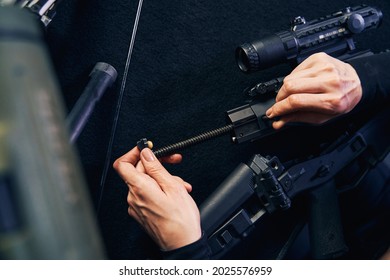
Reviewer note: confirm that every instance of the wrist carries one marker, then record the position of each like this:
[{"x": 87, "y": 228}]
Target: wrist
[
  {"x": 195, "y": 251},
  {"x": 182, "y": 240}
]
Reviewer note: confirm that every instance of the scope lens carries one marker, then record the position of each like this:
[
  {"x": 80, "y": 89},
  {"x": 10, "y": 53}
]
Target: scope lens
[
  {"x": 247, "y": 58},
  {"x": 242, "y": 59}
]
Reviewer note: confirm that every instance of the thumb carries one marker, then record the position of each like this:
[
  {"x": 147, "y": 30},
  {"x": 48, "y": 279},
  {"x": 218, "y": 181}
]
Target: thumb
[{"x": 156, "y": 170}]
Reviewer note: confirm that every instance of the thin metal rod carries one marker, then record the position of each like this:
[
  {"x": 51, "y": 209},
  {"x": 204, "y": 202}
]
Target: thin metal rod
[
  {"x": 119, "y": 104},
  {"x": 173, "y": 148}
]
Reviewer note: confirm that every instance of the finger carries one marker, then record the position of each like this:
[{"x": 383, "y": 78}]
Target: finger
[
  {"x": 301, "y": 85},
  {"x": 156, "y": 170},
  {"x": 314, "y": 61},
  {"x": 132, "y": 176},
  {"x": 140, "y": 167},
  {"x": 173, "y": 159},
  {"x": 188, "y": 187},
  {"x": 184, "y": 183},
  {"x": 317, "y": 103},
  {"x": 301, "y": 117},
  {"x": 313, "y": 67},
  {"x": 131, "y": 157},
  {"x": 123, "y": 169}
]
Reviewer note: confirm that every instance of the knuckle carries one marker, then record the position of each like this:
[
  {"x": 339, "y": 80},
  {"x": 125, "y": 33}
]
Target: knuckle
[
  {"x": 129, "y": 199},
  {"x": 178, "y": 179},
  {"x": 319, "y": 56},
  {"x": 131, "y": 212},
  {"x": 135, "y": 201},
  {"x": 289, "y": 85},
  {"x": 137, "y": 191},
  {"x": 116, "y": 165},
  {"x": 330, "y": 68},
  {"x": 336, "y": 81},
  {"x": 294, "y": 100},
  {"x": 276, "y": 109},
  {"x": 339, "y": 105}
]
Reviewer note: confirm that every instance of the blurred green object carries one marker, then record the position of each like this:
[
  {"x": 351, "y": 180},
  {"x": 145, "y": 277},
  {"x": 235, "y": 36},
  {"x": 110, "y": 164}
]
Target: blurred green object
[{"x": 47, "y": 190}]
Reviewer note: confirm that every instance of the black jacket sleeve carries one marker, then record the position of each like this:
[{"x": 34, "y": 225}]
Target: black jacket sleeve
[
  {"x": 199, "y": 250},
  {"x": 374, "y": 75}
]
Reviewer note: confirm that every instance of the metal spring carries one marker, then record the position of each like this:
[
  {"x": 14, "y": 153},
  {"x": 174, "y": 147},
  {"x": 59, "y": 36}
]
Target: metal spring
[{"x": 171, "y": 149}]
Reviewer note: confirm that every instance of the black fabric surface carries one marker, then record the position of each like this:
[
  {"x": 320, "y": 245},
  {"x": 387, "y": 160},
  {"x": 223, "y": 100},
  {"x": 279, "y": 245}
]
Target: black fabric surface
[{"x": 182, "y": 79}]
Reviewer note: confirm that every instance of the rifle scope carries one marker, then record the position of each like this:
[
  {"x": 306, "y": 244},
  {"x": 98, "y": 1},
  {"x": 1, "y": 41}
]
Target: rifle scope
[{"x": 331, "y": 34}]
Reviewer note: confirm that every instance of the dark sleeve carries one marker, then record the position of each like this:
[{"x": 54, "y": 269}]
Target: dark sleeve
[
  {"x": 199, "y": 250},
  {"x": 374, "y": 75}
]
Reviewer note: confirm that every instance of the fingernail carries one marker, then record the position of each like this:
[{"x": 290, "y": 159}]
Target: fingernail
[
  {"x": 268, "y": 113},
  {"x": 148, "y": 155}
]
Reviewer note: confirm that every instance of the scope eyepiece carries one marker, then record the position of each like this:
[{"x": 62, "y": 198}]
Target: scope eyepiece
[
  {"x": 261, "y": 54},
  {"x": 247, "y": 57}
]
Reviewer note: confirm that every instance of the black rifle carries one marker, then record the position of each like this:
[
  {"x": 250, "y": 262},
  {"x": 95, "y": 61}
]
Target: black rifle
[
  {"x": 332, "y": 34},
  {"x": 265, "y": 186}
]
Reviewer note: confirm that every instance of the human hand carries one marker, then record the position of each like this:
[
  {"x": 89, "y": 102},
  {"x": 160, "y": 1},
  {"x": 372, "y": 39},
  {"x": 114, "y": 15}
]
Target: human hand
[
  {"x": 317, "y": 90},
  {"x": 386, "y": 255},
  {"x": 159, "y": 201}
]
